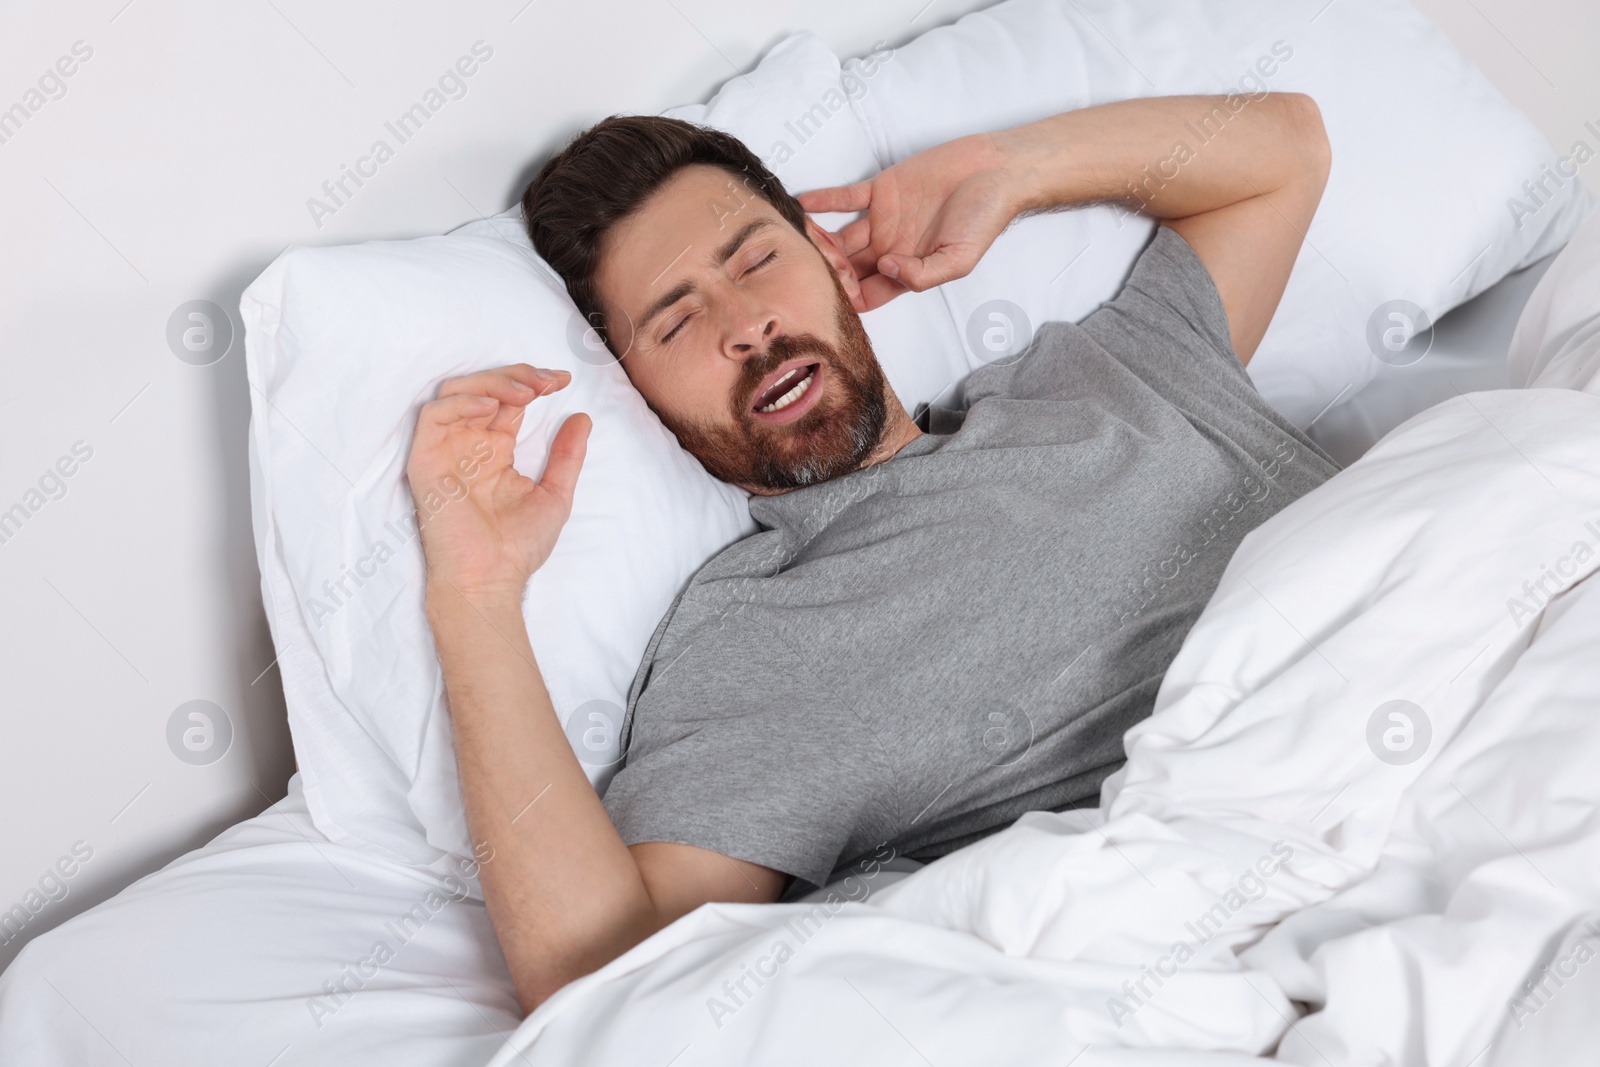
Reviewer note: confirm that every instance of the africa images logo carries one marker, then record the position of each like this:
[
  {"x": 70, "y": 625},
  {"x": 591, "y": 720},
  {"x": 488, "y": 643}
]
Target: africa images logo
[{"x": 1553, "y": 578}]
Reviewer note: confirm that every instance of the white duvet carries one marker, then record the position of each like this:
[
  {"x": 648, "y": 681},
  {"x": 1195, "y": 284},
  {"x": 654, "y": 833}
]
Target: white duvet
[{"x": 1380, "y": 743}]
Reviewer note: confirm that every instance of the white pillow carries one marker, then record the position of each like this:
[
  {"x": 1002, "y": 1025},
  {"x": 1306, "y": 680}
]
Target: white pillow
[
  {"x": 343, "y": 347},
  {"x": 1427, "y": 158}
]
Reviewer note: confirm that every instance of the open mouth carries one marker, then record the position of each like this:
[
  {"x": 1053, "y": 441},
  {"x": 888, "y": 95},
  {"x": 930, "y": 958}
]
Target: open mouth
[{"x": 789, "y": 393}]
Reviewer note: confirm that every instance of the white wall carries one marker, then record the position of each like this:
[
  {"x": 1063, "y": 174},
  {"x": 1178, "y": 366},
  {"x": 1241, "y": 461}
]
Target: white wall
[
  {"x": 1542, "y": 54},
  {"x": 176, "y": 165}
]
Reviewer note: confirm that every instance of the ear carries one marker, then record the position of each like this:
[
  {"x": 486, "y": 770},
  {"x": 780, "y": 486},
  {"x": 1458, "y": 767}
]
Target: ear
[{"x": 835, "y": 258}]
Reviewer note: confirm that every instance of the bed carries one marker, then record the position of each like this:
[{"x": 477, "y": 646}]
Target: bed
[
  {"x": 1353, "y": 879},
  {"x": 277, "y": 946}
]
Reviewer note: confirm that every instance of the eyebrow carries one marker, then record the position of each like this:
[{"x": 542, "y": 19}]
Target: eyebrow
[{"x": 721, "y": 256}]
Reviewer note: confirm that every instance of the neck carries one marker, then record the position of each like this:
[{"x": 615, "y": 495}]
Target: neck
[{"x": 898, "y": 432}]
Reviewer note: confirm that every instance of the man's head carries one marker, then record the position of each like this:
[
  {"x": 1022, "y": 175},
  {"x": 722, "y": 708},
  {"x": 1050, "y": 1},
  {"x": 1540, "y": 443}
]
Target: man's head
[{"x": 734, "y": 315}]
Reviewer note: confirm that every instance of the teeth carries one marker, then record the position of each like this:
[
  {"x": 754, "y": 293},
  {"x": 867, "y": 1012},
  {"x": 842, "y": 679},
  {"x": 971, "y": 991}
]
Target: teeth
[
  {"x": 792, "y": 395},
  {"x": 792, "y": 371}
]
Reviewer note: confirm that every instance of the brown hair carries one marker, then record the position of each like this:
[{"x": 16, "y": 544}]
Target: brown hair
[{"x": 611, "y": 168}]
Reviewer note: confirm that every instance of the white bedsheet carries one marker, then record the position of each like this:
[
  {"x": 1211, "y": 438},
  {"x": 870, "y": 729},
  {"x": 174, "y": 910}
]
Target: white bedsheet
[
  {"x": 236, "y": 953},
  {"x": 1393, "y": 583}
]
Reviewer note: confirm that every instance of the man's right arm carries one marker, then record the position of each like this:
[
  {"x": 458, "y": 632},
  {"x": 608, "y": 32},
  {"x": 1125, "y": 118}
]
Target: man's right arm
[{"x": 564, "y": 893}]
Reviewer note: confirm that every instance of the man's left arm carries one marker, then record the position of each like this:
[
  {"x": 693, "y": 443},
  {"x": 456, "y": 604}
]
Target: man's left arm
[
  {"x": 1242, "y": 199},
  {"x": 1238, "y": 177}
]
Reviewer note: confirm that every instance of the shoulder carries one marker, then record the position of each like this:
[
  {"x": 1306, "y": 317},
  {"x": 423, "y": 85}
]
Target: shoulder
[{"x": 1170, "y": 294}]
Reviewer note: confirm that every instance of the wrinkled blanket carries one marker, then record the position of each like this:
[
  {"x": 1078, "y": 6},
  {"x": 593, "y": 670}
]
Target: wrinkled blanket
[{"x": 1360, "y": 827}]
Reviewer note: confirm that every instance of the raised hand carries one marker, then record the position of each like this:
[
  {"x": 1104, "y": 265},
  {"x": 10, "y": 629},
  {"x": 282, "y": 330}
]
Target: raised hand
[
  {"x": 486, "y": 527},
  {"x": 929, "y": 219}
]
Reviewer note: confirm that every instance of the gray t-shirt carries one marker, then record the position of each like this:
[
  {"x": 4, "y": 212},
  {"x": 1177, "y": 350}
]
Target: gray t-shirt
[{"x": 916, "y": 653}]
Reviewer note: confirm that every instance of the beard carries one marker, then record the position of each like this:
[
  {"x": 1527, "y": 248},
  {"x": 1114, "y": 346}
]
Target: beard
[{"x": 835, "y": 437}]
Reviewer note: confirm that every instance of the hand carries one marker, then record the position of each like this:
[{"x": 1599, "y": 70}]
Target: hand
[
  {"x": 929, "y": 219},
  {"x": 485, "y": 527}
]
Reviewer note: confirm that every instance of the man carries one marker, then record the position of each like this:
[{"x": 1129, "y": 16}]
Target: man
[{"x": 942, "y": 622}]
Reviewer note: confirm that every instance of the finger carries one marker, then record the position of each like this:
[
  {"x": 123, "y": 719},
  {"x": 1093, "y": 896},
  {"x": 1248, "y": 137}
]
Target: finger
[
  {"x": 855, "y": 237},
  {"x": 865, "y": 263},
  {"x": 541, "y": 380},
  {"x": 877, "y": 290},
  {"x": 438, "y": 418},
  {"x": 508, "y": 419},
  {"x": 515, "y": 384},
  {"x": 921, "y": 274},
  {"x": 502, "y": 387},
  {"x": 447, "y": 411},
  {"x": 838, "y": 197},
  {"x": 506, "y": 384},
  {"x": 567, "y": 450}
]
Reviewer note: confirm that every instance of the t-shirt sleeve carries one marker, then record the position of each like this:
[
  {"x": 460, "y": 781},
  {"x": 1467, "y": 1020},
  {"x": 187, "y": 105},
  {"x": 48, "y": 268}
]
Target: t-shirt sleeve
[
  {"x": 1168, "y": 321},
  {"x": 1167, "y": 326},
  {"x": 737, "y": 746},
  {"x": 1170, "y": 285}
]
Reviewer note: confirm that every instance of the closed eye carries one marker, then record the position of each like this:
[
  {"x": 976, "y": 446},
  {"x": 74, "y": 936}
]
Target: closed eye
[{"x": 676, "y": 328}]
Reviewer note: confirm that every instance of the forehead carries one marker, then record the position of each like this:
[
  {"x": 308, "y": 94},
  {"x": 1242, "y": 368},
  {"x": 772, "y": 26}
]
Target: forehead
[{"x": 676, "y": 230}]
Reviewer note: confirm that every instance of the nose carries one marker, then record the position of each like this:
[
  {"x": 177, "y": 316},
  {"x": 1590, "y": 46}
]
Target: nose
[{"x": 752, "y": 326}]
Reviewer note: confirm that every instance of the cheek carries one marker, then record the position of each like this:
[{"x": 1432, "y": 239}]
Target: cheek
[{"x": 686, "y": 390}]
